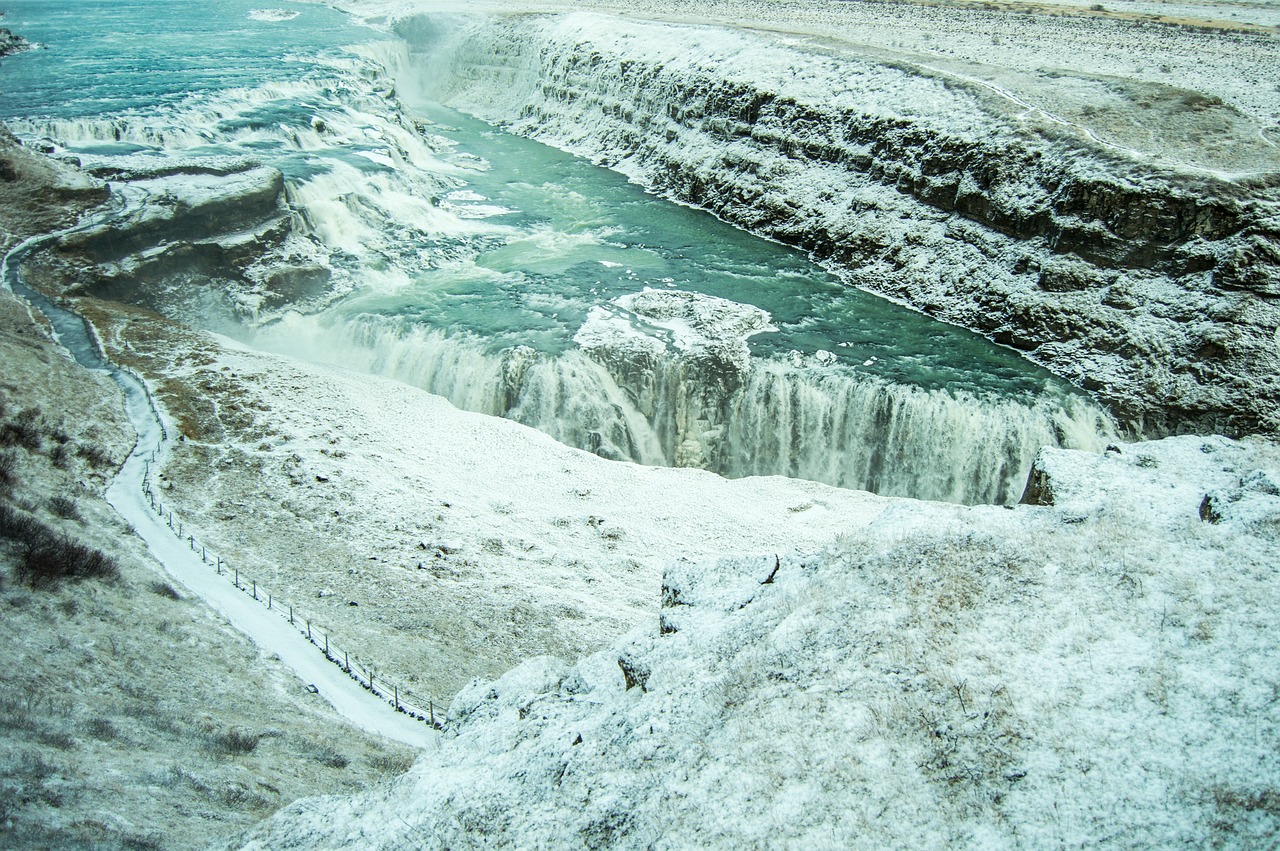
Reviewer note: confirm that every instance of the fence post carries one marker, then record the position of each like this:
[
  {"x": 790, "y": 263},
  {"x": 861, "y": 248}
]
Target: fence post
[
  {"x": 202, "y": 557},
  {"x": 218, "y": 568},
  {"x": 397, "y": 688},
  {"x": 192, "y": 539},
  {"x": 371, "y": 682},
  {"x": 237, "y": 579},
  {"x": 326, "y": 645},
  {"x": 268, "y": 601},
  {"x": 431, "y": 707},
  {"x": 255, "y": 589},
  {"x": 345, "y": 664},
  {"x": 179, "y": 529},
  {"x": 291, "y": 614}
]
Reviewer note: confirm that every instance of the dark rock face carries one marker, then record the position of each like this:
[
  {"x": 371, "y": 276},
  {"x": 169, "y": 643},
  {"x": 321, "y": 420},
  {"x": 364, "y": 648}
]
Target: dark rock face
[
  {"x": 205, "y": 207},
  {"x": 11, "y": 43},
  {"x": 1039, "y": 490},
  {"x": 1151, "y": 287},
  {"x": 207, "y": 238}
]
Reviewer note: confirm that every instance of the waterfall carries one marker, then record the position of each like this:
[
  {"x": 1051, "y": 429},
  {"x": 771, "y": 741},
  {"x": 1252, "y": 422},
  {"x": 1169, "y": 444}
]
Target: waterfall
[{"x": 773, "y": 417}]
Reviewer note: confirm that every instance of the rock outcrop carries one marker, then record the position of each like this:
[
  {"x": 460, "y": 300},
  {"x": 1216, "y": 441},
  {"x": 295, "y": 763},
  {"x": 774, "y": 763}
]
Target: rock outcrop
[
  {"x": 38, "y": 193},
  {"x": 11, "y": 42},
  {"x": 204, "y": 237}
]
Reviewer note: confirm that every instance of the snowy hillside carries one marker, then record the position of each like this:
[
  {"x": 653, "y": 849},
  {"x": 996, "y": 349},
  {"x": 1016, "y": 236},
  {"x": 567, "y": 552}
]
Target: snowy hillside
[{"x": 1102, "y": 671}]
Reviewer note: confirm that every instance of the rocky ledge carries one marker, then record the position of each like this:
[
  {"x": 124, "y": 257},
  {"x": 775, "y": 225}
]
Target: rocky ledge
[{"x": 11, "y": 42}]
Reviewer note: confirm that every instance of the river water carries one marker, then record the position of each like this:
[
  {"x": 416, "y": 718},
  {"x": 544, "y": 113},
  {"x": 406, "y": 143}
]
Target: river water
[{"x": 519, "y": 281}]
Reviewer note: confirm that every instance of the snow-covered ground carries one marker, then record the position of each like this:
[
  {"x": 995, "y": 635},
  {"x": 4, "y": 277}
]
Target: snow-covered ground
[
  {"x": 1015, "y": 39},
  {"x": 1101, "y": 671},
  {"x": 128, "y": 495},
  {"x": 131, "y": 714},
  {"x": 436, "y": 543}
]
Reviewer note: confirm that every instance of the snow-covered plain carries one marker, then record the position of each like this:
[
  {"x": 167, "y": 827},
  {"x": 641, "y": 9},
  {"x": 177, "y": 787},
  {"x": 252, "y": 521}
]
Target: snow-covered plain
[{"x": 1008, "y": 38}]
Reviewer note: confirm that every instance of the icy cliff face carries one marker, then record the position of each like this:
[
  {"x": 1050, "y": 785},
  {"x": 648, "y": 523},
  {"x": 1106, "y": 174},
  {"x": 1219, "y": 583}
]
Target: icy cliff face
[{"x": 1148, "y": 282}]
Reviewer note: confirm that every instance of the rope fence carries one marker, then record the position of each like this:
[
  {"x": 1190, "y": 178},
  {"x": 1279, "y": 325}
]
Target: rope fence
[{"x": 398, "y": 698}]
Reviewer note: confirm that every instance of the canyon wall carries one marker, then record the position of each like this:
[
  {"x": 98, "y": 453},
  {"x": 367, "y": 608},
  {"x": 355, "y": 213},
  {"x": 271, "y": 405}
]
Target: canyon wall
[{"x": 1150, "y": 283}]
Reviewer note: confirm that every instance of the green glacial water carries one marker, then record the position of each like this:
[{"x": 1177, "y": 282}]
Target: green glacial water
[{"x": 519, "y": 281}]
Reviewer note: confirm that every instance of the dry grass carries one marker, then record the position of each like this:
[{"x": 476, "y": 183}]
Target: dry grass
[{"x": 102, "y": 688}]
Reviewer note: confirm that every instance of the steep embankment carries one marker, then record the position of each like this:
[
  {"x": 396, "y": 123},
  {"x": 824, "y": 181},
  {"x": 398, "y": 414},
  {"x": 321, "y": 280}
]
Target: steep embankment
[
  {"x": 130, "y": 715},
  {"x": 1143, "y": 271}
]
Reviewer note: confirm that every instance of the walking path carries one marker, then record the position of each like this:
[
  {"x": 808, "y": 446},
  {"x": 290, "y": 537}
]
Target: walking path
[{"x": 126, "y": 494}]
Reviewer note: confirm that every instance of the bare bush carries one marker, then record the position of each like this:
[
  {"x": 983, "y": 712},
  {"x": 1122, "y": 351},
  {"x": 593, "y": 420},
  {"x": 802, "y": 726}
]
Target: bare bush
[
  {"x": 18, "y": 525},
  {"x": 326, "y": 755},
  {"x": 8, "y": 469},
  {"x": 60, "y": 455},
  {"x": 232, "y": 742},
  {"x": 64, "y": 507},
  {"x": 164, "y": 589},
  {"x": 46, "y": 558},
  {"x": 57, "y": 739},
  {"x": 390, "y": 763},
  {"x": 23, "y": 430},
  {"x": 48, "y": 562},
  {"x": 101, "y": 729},
  {"x": 97, "y": 457}
]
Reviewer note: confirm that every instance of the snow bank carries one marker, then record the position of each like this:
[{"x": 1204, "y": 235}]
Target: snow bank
[{"x": 1101, "y": 671}]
